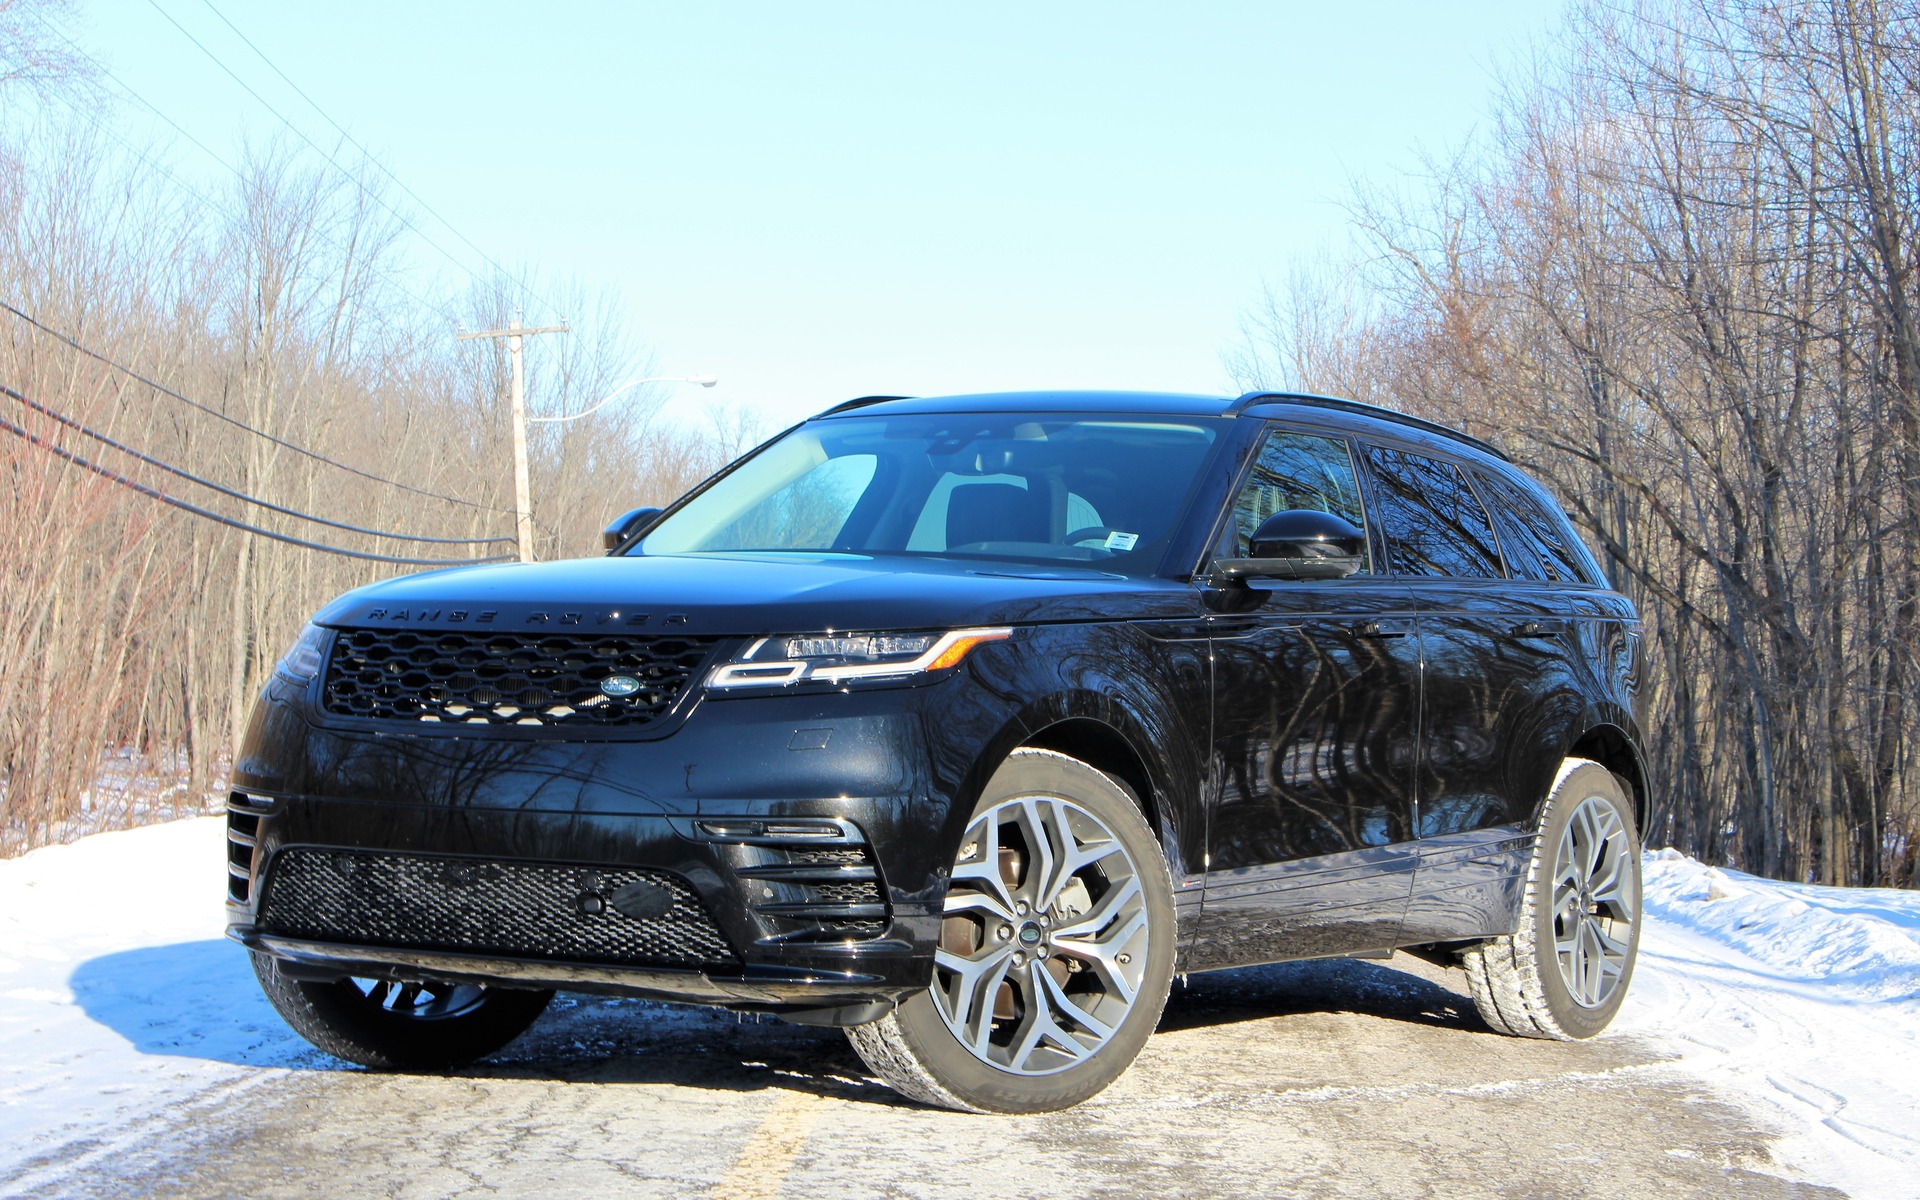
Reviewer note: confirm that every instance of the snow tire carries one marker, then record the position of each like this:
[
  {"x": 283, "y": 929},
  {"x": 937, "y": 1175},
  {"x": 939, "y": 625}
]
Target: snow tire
[{"x": 1518, "y": 981}]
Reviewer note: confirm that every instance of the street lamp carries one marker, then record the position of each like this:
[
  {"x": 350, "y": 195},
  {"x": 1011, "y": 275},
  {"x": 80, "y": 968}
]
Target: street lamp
[{"x": 702, "y": 380}]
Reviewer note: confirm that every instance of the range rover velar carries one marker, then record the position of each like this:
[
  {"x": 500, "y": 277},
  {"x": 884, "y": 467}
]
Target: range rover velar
[{"x": 965, "y": 723}]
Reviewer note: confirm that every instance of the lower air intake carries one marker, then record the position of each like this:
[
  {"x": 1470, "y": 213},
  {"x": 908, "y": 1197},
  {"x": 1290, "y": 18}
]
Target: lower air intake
[{"x": 481, "y": 906}]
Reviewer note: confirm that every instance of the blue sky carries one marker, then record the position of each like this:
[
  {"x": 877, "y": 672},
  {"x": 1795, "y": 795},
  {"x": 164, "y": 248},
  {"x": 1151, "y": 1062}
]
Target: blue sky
[{"x": 825, "y": 200}]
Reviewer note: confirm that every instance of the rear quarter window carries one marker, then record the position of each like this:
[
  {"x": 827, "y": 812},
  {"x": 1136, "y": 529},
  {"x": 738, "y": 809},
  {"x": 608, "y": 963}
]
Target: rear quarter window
[{"x": 1535, "y": 533}]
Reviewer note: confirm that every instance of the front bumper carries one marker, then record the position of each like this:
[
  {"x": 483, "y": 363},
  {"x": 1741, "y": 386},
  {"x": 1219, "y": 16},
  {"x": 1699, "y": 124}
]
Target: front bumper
[
  {"x": 843, "y": 998},
  {"x": 813, "y": 833}
]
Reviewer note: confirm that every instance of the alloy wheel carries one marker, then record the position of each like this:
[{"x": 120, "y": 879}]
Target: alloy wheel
[
  {"x": 1043, "y": 946},
  {"x": 1595, "y": 902},
  {"x": 420, "y": 1001}
]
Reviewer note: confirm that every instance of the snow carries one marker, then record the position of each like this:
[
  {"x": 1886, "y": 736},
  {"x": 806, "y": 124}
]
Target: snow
[
  {"x": 121, "y": 1000},
  {"x": 119, "y": 993},
  {"x": 1803, "y": 1000}
]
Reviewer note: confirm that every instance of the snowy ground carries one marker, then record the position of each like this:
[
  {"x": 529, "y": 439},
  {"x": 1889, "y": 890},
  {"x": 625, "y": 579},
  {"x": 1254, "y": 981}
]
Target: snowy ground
[
  {"x": 1804, "y": 999},
  {"x": 121, "y": 1005}
]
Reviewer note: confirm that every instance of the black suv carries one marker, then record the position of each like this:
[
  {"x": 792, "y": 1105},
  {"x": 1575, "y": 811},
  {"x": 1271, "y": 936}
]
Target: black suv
[{"x": 965, "y": 723}]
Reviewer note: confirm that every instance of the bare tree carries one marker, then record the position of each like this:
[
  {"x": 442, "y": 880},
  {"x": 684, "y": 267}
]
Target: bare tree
[
  {"x": 289, "y": 363},
  {"x": 1678, "y": 279}
]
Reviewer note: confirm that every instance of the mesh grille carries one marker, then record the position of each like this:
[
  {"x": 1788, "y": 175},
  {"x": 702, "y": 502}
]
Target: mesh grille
[
  {"x": 532, "y": 910},
  {"x": 509, "y": 678},
  {"x": 841, "y": 856},
  {"x": 846, "y": 893}
]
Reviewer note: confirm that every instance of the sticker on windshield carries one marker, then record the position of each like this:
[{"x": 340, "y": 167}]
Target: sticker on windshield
[{"x": 1121, "y": 542}]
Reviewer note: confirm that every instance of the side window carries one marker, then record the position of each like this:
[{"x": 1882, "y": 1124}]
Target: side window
[
  {"x": 1521, "y": 520},
  {"x": 1434, "y": 523},
  {"x": 1296, "y": 470}
]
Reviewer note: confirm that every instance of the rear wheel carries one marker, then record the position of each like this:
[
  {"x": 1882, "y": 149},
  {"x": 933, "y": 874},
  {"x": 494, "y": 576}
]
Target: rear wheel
[
  {"x": 1564, "y": 973},
  {"x": 1056, "y": 949},
  {"x": 400, "y": 1026}
]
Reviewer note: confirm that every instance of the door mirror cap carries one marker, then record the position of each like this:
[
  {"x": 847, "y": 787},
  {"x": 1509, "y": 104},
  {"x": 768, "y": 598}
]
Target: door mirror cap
[
  {"x": 628, "y": 524},
  {"x": 1300, "y": 543}
]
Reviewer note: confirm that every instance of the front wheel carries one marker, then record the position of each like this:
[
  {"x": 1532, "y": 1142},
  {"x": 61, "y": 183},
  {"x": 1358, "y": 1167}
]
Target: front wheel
[
  {"x": 400, "y": 1026},
  {"x": 1564, "y": 973},
  {"x": 1055, "y": 955}
]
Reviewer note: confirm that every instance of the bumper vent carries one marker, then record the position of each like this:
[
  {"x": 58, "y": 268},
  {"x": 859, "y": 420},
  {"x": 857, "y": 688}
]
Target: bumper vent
[
  {"x": 509, "y": 678},
  {"x": 243, "y": 834},
  {"x": 478, "y": 906},
  {"x": 812, "y": 892}
]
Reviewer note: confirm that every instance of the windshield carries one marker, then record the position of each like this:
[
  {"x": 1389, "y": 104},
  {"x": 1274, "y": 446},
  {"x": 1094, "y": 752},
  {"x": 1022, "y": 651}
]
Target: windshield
[{"x": 1097, "y": 490}]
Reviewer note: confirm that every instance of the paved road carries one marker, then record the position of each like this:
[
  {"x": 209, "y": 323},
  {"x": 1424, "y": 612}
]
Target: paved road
[{"x": 1334, "y": 1079}]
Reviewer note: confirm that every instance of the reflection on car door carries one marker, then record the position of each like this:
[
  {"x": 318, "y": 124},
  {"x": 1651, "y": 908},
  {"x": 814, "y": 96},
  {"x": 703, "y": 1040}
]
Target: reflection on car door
[
  {"x": 1497, "y": 695},
  {"x": 1315, "y": 714}
]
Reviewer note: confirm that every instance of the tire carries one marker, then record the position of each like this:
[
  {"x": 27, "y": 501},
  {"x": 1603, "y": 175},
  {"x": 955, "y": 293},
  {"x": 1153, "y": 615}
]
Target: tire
[
  {"x": 400, "y": 1026},
  {"x": 1565, "y": 972},
  {"x": 1047, "y": 982}
]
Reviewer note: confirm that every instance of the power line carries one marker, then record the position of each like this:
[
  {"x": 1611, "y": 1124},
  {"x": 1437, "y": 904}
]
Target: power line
[
  {"x": 207, "y": 514},
  {"x": 128, "y": 90},
  {"x": 380, "y": 166},
  {"x": 214, "y": 412},
  {"x": 104, "y": 440},
  {"x": 56, "y": 31},
  {"x": 146, "y": 158},
  {"x": 331, "y": 161}
]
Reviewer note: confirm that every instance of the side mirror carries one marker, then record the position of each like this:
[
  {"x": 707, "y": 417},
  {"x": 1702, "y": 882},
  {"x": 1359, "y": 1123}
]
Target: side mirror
[
  {"x": 627, "y": 524},
  {"x": 1299, "y": 544}
]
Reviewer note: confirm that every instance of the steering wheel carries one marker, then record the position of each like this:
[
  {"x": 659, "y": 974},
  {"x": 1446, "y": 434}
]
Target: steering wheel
[{"x": 1091, "y": 533}]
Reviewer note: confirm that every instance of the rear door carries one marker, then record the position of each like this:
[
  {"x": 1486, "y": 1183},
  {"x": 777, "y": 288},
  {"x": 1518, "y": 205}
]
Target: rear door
[{"x": 1497, "y": 692}]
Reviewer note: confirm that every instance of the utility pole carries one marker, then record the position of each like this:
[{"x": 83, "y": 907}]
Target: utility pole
[{"x": 522, "y": 488}]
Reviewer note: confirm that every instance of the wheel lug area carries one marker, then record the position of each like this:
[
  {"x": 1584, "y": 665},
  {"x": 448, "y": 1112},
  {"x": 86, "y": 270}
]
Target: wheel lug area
[
  {"x": 1022, "y": 907},
  {"x": 1004, "y": 933}
]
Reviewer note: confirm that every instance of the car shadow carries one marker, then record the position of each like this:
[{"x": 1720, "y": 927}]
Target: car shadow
[
  {"x": 189, "y": 1000},
  {"x": 200, "y": 1000},
  {"x": 1322, "y": 985}
]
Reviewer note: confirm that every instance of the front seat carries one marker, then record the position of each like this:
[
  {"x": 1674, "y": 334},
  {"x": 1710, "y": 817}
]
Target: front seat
[{"x": 996, "y": 512}]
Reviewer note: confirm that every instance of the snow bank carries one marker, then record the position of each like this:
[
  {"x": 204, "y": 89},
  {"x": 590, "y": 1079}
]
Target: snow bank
[
  {"x": 119, "y": 993},
  {"x": 1805, "y": 1000}
]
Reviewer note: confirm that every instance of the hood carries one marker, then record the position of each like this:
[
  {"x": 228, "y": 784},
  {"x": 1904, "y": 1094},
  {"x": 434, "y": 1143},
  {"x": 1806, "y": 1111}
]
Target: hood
[{"x": 747, "y": 594}]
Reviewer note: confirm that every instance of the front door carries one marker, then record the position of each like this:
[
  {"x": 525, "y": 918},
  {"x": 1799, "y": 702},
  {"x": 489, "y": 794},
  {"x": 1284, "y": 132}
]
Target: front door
[{"x": 1316, "y": 708}]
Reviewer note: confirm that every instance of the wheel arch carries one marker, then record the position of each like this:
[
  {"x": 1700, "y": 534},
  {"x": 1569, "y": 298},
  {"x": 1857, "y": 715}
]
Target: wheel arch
[
  {"x": 1613, "y": 748},
  {"x": 1105, "y": 749},
  {"x": 1105, "y": 735}
]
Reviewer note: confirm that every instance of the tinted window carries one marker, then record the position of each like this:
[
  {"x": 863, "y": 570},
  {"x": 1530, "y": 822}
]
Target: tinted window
[
  {"x": 1522, "y": 521},
  {"x": 1296, "y": 470},
  {"x": 1434, "y": 523}
]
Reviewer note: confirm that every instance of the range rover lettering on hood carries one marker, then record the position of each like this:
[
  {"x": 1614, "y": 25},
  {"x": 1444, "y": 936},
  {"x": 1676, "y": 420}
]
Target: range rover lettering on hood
[
  {"x": 736, "y": 596},
  {"x": 620, "y": 618}
]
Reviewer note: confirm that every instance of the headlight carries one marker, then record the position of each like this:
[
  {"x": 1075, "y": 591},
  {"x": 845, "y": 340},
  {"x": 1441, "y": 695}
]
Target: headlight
[
  {"x": 848, "y": 658},
  {"x": 309, "y": 651}
]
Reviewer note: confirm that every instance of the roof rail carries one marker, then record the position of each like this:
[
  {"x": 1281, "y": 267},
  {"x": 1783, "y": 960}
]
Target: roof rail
[
  {"x": 858, "y": 402},
  {"x": 1309, "y": 400}
]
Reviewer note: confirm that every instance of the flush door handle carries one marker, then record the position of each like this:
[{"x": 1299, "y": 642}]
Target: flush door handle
[
  {"x": 1534, "y": 629},
  {"x": 1378, "y": 629}
]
